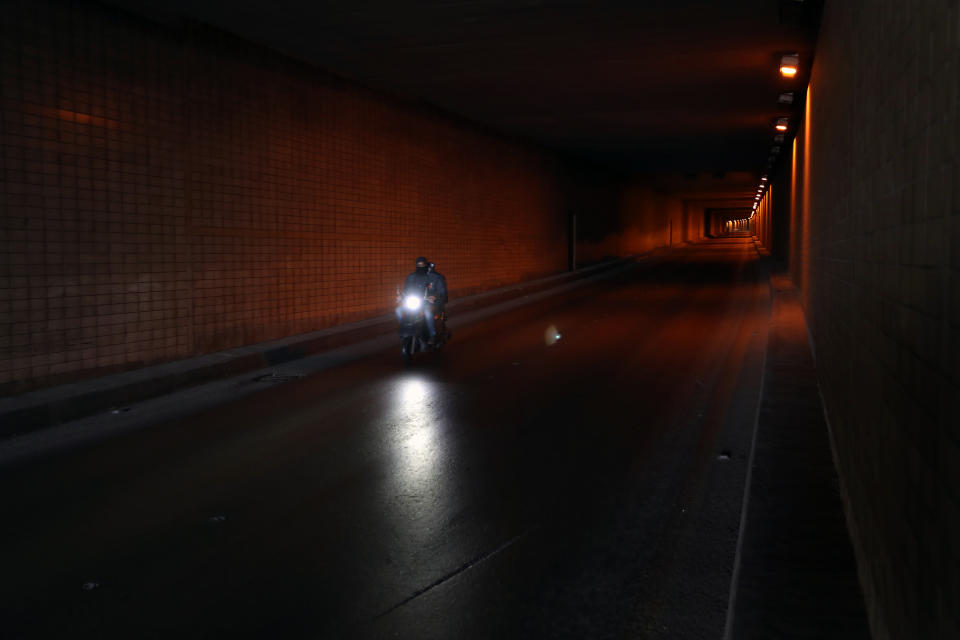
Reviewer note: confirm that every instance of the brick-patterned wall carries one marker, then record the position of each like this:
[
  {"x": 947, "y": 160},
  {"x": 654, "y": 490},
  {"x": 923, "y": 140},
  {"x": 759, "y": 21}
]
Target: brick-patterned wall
[
  {"x": 166, "y": 193},
  {"x": 880, "y": 201}
]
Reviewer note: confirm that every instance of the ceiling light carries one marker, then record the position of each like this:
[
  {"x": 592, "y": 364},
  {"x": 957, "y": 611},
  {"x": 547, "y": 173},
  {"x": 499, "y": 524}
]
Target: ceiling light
[
  {"x": 782, "y": 124},
  {"x": 789, "y": 64},
  {"x": 779, "y": 137},
  {"x": 786, "y": 98},
  {"x": 775, "y": 149},
  {"x": 764, "y": 178}
]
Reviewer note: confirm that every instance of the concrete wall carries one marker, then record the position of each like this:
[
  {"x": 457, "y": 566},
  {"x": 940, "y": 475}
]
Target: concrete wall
[
  {"x": 874, "y": 243},
  {"x": 641, "y": 220},
  {"x": 761, "y": 220}
]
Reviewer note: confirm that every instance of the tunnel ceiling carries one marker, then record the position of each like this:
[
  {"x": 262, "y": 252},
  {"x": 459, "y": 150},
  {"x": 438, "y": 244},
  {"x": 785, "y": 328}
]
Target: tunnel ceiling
[{"x": 651, "y": 86}]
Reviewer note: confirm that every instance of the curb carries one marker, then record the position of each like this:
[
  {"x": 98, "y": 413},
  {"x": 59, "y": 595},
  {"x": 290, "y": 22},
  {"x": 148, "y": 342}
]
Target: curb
[{"x": 51, "y": 406}]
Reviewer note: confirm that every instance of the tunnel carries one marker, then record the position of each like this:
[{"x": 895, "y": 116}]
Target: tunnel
[{"x": 697, "y": 342}]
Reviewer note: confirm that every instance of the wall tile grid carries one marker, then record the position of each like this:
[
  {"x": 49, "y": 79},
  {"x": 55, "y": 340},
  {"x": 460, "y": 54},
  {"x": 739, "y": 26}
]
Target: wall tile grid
[
  {"x": 883, "y": 298},
  {"x": 90, "y": 218},
  {"x": 170, "y": 194}
]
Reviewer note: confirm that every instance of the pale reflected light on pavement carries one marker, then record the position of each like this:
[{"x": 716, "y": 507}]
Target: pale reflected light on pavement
[{"x": 417, "y": 448}]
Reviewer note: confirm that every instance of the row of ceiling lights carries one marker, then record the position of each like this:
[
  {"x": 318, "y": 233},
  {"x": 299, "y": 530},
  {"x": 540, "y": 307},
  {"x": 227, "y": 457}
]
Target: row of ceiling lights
[{"x": 789, "y": 65}]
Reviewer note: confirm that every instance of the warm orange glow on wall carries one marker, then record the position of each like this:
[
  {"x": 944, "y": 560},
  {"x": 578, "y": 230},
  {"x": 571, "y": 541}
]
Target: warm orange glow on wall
[
  {"x": 85, "y": 118},
  {"x": 806, "y": 178}
]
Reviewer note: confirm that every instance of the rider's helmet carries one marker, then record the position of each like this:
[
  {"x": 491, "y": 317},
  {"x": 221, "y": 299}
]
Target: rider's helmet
[{"x": 422, "y": 265}]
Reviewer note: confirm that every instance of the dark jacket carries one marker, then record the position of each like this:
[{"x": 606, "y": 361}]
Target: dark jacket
[
  {"x": 417, "y": 283},
  {"x": 441, "y": 287}
]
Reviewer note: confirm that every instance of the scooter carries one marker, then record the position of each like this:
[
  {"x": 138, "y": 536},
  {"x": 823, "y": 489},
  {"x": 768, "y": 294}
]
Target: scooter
[{"x": 414, "y": 336}]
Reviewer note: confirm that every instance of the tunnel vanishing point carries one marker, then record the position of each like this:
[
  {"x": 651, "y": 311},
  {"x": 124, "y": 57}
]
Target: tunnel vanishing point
[{"x": 184, "y": 179}]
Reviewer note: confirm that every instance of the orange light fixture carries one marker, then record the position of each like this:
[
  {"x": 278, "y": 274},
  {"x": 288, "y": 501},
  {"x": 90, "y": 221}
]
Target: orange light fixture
[
  {"x": 789, "y": 65},
  {"x": 782, "y": 124}
]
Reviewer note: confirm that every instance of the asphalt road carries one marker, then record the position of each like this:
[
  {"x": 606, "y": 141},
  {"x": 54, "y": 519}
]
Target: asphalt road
[{"x": 513, "y": 486}]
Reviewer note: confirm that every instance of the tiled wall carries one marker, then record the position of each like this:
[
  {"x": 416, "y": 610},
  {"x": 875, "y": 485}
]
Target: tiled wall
[
  {"x": 876, "y": 249},
  {"x": 166, "y": 193}
]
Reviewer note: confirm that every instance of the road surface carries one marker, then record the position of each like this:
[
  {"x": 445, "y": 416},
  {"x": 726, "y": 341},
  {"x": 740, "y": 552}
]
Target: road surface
[{"x": 516, "y": 485}]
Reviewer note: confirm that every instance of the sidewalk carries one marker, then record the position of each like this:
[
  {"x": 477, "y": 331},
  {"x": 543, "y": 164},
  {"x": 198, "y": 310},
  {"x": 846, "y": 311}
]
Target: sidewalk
[
  {"x": 796, "y": 576},
  {"x": 43, "y": 408}
]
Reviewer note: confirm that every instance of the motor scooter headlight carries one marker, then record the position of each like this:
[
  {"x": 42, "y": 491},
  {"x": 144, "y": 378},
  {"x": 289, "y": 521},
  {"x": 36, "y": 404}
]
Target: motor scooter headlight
[{"x": 412, "y": 303}]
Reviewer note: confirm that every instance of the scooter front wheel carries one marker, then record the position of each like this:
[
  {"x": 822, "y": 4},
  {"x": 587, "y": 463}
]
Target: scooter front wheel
[{"x": 406, "y": 350}]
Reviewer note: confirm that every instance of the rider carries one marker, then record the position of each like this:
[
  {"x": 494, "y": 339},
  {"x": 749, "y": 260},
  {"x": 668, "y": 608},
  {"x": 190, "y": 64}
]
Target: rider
[
  {"x": 441, "y": 286},
  {"x": 418, "y": 282},
  {"x": 441, "y": 304}
]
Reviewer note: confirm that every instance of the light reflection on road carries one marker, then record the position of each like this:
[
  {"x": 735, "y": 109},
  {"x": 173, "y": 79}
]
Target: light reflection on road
[{"x": 414, "y": 485}]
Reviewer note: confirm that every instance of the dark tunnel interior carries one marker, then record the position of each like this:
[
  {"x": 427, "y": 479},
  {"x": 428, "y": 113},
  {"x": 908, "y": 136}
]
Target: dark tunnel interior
[{"x": 676, "y": 235}]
